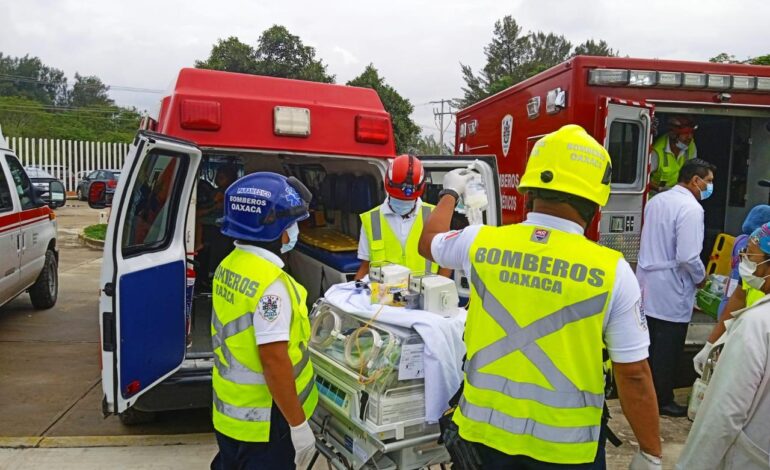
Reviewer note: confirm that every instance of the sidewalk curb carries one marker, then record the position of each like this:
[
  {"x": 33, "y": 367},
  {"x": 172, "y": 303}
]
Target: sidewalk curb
[
  {"x": 63, "y": 442},
  {"x": 92, "y": 243}
]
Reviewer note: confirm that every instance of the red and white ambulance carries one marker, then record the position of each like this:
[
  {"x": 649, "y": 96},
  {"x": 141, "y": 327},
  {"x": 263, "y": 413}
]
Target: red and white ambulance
[
  {"x": 156, "y": 352},
  {"x": 29, "y": 255},
  {"x": 626, "y": 103}
]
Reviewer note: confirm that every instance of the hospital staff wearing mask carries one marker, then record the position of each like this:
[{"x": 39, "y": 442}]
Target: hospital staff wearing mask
[
  {"x": 738, "y": 294},
  {"x": 263, "y": 382},
  {"x": 732, "y": 427},
  {"x": 390, "y": 231},
  {"x": 670, "y": 270}
]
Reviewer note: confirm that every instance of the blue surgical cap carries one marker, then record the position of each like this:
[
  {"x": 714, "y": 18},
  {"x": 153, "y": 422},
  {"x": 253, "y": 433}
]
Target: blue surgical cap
[{"x": 758, "y": 215}]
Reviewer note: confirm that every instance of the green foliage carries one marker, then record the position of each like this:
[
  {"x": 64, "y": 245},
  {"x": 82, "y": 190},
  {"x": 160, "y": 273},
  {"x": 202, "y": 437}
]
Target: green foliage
[
  {"x": 89, "y": 91},
  {"x": 427, "y": 145},
  {"x": 725, "y": 58},
  {"x": 278, "y": 54},
  {"x": 96, "y": 232},
  {"x": 28, "y": 77},
  {"x": 513, "y": 56},
  {"x": 35, "y": 102},
  {"x": 230, "y": 55},
  {"x": 404, "y": 129}
]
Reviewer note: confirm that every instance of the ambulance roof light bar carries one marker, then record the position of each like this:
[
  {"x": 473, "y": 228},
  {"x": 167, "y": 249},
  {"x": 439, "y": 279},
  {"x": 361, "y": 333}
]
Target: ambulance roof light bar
[{"x": 666, "y": 79}]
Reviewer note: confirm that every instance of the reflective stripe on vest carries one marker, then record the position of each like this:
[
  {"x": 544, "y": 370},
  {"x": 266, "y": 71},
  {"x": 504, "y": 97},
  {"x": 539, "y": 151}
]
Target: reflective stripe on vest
[
  {"x": 559, "y": 434},
  {"x": 523, "y": 340},
  {"x": 252, "y": 415},
  {"x": 376, "y": 220}
]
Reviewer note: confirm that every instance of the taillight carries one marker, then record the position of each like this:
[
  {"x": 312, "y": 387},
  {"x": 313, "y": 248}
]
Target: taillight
[
  {"x": 200, "y": 115},
  {"x": 96, "y": 191},
  {"x": 372, "y": 129},
  {"x": 112, "y": 183}
]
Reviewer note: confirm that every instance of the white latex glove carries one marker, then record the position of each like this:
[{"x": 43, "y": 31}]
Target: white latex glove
[
  {"x": 645, "y": 461},
  {"x": 304, "y": 444},
  {"x": 699, "y": 361},
  {"x": 457, "y": 179}
]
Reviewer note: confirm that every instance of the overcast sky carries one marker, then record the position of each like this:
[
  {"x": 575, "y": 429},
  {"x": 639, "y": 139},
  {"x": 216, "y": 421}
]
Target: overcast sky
[{"x": 417, "y": 45}]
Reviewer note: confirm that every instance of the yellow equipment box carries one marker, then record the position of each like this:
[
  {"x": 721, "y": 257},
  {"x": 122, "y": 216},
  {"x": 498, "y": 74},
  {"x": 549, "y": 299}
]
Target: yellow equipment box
[
  {"x": 328, "y": 238},
  {"x": 720, "y": 261}
]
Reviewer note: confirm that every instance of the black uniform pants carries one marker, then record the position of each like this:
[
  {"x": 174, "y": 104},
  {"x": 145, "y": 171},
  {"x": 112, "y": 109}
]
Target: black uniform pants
[
  {"x": 276, "y": 454},
  {"x": 666, "y": 347}
]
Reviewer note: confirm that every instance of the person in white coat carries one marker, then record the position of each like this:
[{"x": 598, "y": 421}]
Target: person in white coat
[{"x": 732, "y": 427}]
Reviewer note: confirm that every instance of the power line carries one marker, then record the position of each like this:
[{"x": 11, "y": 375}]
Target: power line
[{"x": 31, "y": 80}]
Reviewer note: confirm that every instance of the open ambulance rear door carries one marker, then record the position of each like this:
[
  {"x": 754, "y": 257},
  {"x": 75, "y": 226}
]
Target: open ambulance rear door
[
  {"x": 626, "y": 135},
  {"x": 142, "y": 298},
  {"x": 486, "y": 165}
]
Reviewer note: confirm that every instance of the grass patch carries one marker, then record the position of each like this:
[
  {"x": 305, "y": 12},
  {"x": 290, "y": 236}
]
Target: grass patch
[{"x": 97, "y": 231}]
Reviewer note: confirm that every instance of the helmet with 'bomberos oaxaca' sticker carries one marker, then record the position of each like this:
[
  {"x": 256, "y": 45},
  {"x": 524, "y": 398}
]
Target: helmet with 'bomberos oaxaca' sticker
[
  {"x": 260, "y": 206},
  {"x": 572, "y": 162}
]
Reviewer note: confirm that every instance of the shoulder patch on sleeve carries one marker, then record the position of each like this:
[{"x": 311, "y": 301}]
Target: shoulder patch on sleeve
[
  {"x": 270, "y": 307},
  {"x": 451, "y": 235},
  {"x": 641, "y": 319}
]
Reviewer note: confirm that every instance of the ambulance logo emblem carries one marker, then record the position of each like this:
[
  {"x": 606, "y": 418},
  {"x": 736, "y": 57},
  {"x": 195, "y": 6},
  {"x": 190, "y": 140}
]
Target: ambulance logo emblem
[
  {"x": 540, "y": 235},
  {"x": 269, "y": 307},
  {"x": 506, "y": 130}
]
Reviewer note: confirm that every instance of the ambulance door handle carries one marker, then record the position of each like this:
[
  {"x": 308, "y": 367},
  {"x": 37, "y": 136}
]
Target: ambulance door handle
[{"x": 18, "y": 242}]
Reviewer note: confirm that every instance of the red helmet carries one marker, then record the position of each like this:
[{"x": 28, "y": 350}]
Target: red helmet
[{"x": 405, "y": 178}]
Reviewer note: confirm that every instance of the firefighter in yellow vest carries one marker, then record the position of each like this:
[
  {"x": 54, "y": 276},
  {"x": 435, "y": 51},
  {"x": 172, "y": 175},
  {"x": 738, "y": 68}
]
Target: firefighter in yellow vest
[
  {"x": 544, "y": 301},
  {"x": 264, "y": 385},
  {"x": 390, "y": 231},
  {"x": 670, "y": 151}
]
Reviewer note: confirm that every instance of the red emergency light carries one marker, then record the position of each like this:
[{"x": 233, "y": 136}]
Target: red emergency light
[
  {"x": 200, "y": 115},
  {"x": 372, "y": 129}
]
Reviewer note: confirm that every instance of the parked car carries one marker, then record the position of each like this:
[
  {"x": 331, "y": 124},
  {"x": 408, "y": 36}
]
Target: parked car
[
  {"x": 29, "y": 254},
  {"x": 41, "y": 181},
  {"x": 109, "y": 177}
]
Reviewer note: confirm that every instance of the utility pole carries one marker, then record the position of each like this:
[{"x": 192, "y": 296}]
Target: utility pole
[{"x": 438, "y": 115}]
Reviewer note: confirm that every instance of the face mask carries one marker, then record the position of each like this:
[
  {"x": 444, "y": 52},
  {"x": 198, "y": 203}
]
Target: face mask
[
  {"x": 681, "y": 145},
  {"x": 293, "y": 232},
  {"x": 747, "y": 268},
  {"x": 707, "y": 193},
  {"x": 401, "y": 207}
]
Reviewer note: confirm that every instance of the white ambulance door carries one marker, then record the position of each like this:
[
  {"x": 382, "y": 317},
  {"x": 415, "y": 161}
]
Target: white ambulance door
[
  {"x": 10, "y": 243},
  {"x": 142, "y": 301},
  {"x": 486, "y": 165},
  {"x": 627, "y": 139}
]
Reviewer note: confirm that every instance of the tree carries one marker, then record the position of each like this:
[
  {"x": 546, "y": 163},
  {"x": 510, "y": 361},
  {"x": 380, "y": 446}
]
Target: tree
[
  {"x": 28, "y": 77},
  {"x": 282, "y": 54},
  {"x": 513, "y": 56},
  {"x": 89, "y": 91},
  {"x": 230, "y": 55},
  {"x": 725, "y": 58},
  {"x": 427, "y": 145},
  {"x": 278, "y": 54},
  {"x": 590, "y": 47},
  {"x": 404, "y": 129}
]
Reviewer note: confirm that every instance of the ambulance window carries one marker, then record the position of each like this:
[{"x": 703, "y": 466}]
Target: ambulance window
[
  {"x": 153, "y": 203},
  {"x": 623, "y": 147},
  {"x": 6, "y": 201},
  {"x": 22, "y": 183}
]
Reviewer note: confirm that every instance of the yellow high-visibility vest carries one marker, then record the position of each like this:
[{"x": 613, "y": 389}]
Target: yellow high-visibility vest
[
  {"x": 242, "y": 400},
  {"x": 385, "y": 247},
  {"x": 534, "y": 380},
  {"x": 668, "y": 163}
]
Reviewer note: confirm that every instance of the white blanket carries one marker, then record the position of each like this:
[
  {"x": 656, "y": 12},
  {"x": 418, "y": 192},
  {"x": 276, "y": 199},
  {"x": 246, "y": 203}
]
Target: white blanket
[{"x": 443, "y": 339}]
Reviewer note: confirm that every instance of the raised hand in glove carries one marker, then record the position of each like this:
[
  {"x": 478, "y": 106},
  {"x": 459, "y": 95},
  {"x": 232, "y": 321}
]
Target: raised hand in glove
[
  {"x": 644, "y": 461},
  {"x": 457, "y": 179},
  {"x": 304, "y": 444},
  {"x": 699, "y": 361}
]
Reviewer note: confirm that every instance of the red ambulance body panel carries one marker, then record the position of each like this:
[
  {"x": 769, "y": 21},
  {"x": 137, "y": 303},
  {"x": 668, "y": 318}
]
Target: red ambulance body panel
[{"x": 232, "y": 110}]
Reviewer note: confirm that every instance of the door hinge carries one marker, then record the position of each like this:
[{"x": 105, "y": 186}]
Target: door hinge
[
  {"x": 109, "y": 289},
  {"x": 108, "y": 331}
]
